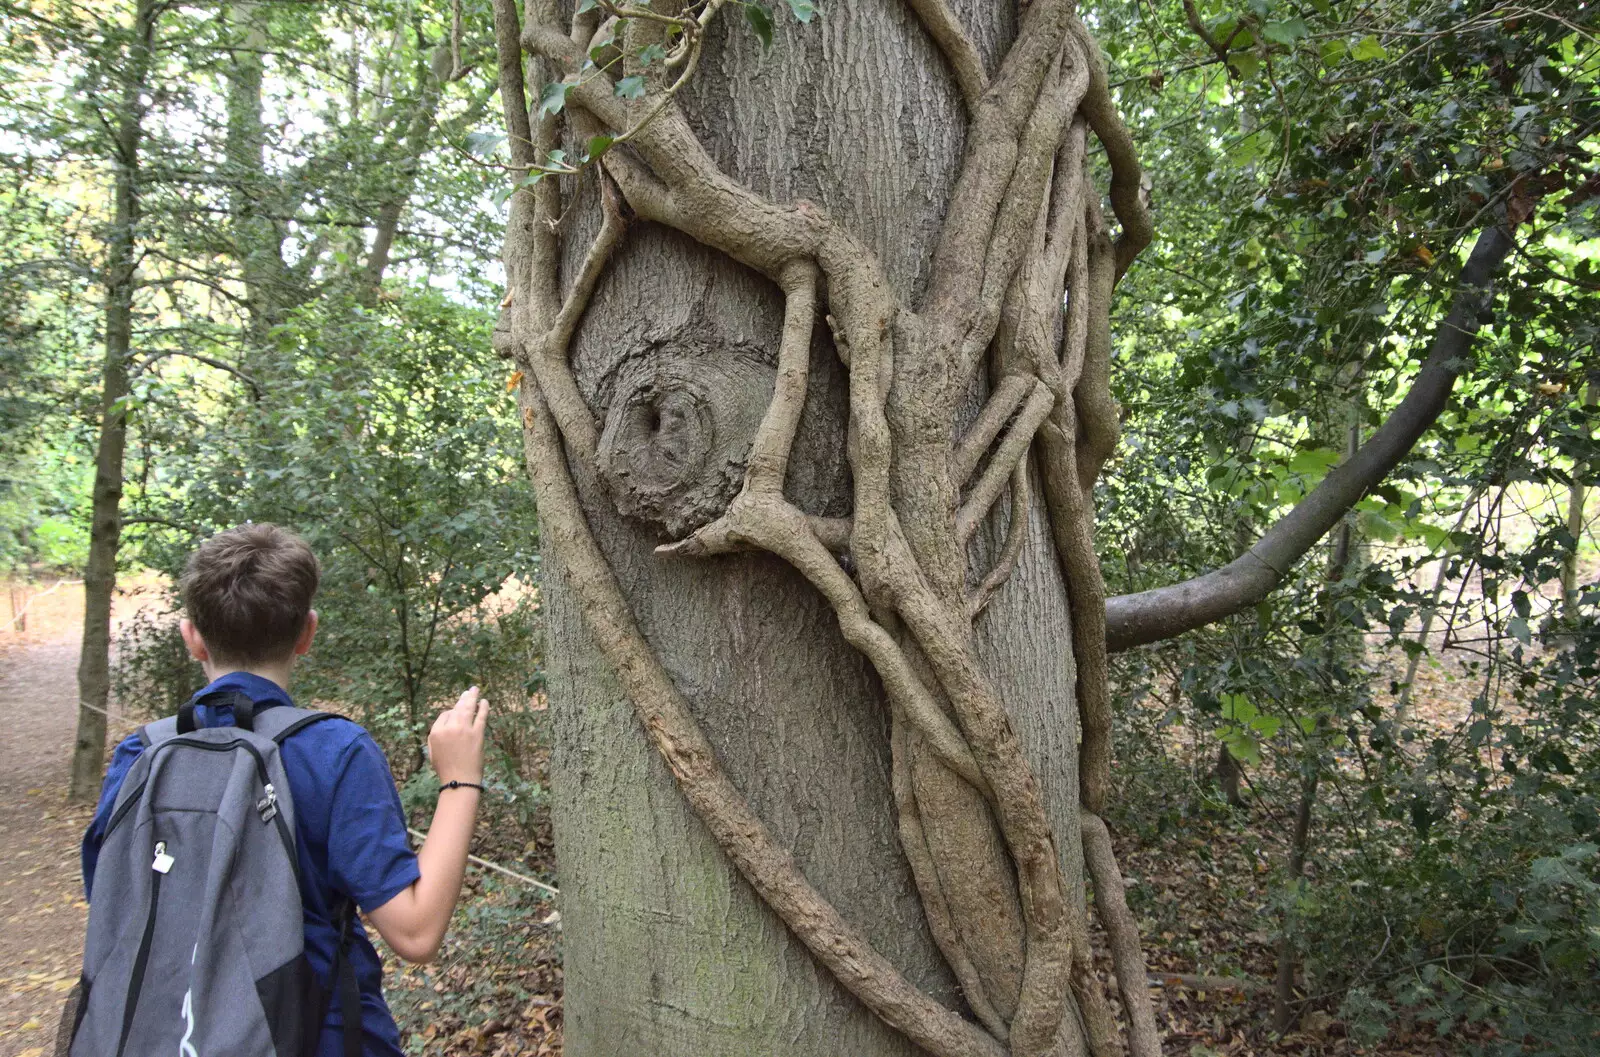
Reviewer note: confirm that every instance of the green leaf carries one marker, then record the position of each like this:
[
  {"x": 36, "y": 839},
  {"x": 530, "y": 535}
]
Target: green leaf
[
  {"x": 631, "y": 87},
  {"x": 1314, "y": 463},
  {"x": 554, "y": 97},
  {"x": 598, "y": 146},
  {"x": 653, "y": 53},
  {"x": 1286, "y": 32},
  {"x": 1238, "y": 708},
  {"x": 1266, "y": 726},
  {"x": 1518, "y": 627},
  {"x": 483, "y": 144},
  {"x": 1367, "y": 49},
  {"x": 761, "y": 22},
  {"x": 1246, "y": 63},
  {"x": 1378, "y": 527},
  {"x": 803, "y": 10},
  {"x": 587, "y": 5},
  {"x": 1241, "y": 745}
]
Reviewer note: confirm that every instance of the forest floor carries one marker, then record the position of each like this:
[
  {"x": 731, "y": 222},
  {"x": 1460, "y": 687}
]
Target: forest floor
[{"x": 496, "y": 989}]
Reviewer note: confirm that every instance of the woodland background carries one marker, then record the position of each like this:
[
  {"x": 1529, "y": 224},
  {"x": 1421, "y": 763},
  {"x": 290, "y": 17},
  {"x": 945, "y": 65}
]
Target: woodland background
[{"x": 1385, "y": 778}]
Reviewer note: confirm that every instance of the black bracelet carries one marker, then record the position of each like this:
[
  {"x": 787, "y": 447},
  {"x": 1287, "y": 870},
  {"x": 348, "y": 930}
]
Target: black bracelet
[{"x": 461, "y": 785}]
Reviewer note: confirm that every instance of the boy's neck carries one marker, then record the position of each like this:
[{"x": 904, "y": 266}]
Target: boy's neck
[{"x": 276, "y": 673}]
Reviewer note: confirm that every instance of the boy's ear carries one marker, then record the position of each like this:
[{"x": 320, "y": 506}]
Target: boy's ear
[
  {"x": 302, "y": 645},
  {"x": 192, "y": 639}
]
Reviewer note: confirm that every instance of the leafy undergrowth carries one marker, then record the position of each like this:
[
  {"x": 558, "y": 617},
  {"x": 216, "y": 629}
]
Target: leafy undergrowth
[
  {"x": 1202, "y": 893},
  {"x": 495, "y": 989}
]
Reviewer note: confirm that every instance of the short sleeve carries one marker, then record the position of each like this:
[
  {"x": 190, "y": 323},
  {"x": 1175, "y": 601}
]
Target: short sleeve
[
  {"x": 369, "y": 854},
  {"x": 122, "y": 758}
]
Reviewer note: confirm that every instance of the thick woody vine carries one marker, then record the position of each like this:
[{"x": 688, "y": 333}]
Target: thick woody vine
[{"x": 1024, "y": 229}]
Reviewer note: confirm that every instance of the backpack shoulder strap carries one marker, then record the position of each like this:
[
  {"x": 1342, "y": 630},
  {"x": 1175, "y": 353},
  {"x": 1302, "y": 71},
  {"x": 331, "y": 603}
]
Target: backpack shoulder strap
[
  {"x": 153, "y": 734},
  {"x": 280, "y": 723}
]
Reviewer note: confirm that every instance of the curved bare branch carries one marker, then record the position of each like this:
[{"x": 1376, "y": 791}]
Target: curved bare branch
[{"x": 1161, "y": 613}]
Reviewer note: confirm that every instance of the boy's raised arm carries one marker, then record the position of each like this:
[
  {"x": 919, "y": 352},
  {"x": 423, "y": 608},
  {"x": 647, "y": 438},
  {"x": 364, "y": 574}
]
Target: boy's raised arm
[{"x": 413, "y": 923}]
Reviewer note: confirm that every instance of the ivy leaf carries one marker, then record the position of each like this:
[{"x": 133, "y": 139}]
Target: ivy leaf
[
  {"x": 653, "y": 53},
  {"x": 631, "y": 87},
  {"x": 598, "y": 47},
  {"x": 587, "y": 5},
  {"x": 598, "y": 146},
  {"x": 804, "y": 10},
  {"x": 554, "y": 98},
  {"x": 761, "y": 22}
]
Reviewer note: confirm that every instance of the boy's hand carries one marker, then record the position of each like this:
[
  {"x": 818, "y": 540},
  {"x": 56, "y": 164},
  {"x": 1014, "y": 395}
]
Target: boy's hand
[{"x": 455, "y": 745}]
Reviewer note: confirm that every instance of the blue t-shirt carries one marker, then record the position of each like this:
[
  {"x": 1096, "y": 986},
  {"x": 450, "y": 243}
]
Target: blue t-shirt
[{"x": 350, "y": 834}]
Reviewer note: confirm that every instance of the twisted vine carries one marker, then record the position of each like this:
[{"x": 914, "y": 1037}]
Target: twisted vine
[{"x": 1024, "y": 227}]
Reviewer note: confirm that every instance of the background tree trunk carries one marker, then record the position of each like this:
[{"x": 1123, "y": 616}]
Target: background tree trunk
[
  {"x": 667, "y": 950},
  {"x": 105, "y": 526}
]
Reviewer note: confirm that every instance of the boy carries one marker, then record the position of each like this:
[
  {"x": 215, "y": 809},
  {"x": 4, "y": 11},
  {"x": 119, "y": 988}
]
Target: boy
[{"x": 247, "y": 593}]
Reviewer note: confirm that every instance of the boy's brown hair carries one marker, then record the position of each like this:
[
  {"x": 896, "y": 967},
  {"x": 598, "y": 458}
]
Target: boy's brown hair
[{"x": 248, "y": 591}]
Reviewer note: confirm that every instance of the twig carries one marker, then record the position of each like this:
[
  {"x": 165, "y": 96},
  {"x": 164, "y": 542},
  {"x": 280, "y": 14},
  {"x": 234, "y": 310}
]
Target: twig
[
  {"x": 1011, "y": 451},
  {"x": 1219, "y": 49},
  {"x": 951, "y": 37},
  {"x": 1005, "y": 399},
  {"x": 1127, "y": 178},
  {"x": 1111, "y": 906},
  {"x": 1021, "y": 499}
]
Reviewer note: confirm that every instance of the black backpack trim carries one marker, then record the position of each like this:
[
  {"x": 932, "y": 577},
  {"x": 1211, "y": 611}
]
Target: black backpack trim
[{"x": 345, "y": 984}]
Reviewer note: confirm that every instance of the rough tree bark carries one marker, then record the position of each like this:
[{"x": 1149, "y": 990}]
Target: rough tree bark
[
  {"x": 782, "y": 357},
  {"x": 105, "y": 525}
]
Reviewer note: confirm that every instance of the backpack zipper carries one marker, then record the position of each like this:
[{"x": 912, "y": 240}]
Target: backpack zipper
[
  {"x": 227, "y": 746},
  {"x": 142, "y": 958}
]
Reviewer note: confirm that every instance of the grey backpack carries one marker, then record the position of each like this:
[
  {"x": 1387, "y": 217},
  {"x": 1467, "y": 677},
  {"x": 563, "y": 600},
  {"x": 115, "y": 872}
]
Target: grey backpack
[{"x": 196, "y": 943}]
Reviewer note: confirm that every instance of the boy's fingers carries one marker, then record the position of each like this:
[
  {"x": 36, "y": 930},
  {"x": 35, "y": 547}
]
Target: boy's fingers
[
  {"x": 481, "y": 718},
  {"x": 469, "y": 700}
]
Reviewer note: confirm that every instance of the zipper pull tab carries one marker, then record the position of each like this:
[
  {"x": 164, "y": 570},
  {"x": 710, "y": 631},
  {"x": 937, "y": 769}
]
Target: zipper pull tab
[
  {"x": 163, "y": 861},
  {"x": 268, "y": 805}
]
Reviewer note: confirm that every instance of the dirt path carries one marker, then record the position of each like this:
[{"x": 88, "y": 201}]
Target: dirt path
[{"x": 42, "y": 912}]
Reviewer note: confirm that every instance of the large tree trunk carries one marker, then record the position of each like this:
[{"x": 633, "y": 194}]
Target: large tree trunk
[
  {"x": 105, "y": 526},
  {"x": 667, "y": 950},
  {"x": 252, "y": 197},
  {"x": 688, "y": 928}
]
